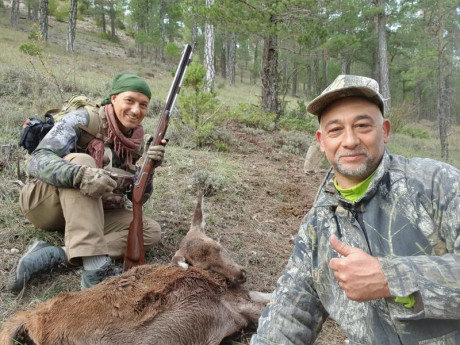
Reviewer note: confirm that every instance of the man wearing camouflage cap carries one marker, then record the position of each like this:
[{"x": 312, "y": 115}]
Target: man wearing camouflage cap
[
  {"x": 379, "y": 249},
  {"x": 77, "y": 177}
]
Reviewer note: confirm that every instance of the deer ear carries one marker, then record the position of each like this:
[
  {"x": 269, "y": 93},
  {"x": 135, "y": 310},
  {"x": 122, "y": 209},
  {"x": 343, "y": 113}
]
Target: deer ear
[{"x": 179, "y": 260}]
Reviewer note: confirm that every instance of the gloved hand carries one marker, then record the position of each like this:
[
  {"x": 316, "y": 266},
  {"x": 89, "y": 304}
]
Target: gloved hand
[
  {"x": 113, "y": 201},
  {"x": 94, "y": 182},
  {"x": 156, "y": 153}
]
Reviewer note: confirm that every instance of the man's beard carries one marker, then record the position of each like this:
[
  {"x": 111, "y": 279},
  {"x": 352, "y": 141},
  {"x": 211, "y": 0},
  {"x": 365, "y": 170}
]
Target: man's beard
[{"x": 364, "y": 170}]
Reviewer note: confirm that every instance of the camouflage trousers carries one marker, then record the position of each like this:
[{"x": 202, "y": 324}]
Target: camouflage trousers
[{"x": 88, "y": 229}]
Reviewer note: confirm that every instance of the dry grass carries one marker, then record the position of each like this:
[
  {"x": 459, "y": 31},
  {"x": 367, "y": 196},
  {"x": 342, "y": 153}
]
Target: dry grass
[
  {"x": 256, "y": 196},
  {"x": 247, "y": 205}
]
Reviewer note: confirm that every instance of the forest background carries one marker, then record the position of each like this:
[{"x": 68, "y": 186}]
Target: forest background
[{"x": 241, "y": 115}]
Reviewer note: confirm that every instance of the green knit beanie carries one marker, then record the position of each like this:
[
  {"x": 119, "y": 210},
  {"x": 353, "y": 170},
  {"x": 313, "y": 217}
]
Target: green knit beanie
[{"x": 128, "y": 82}]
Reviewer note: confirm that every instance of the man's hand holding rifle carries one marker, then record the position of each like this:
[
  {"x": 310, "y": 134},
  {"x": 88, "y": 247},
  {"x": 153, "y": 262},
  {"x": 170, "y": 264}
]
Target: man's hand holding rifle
[{"x": 134, "y": 254}]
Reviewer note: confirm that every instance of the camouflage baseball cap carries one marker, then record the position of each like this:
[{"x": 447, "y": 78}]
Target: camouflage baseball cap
[{"x": 347, "y": 86}]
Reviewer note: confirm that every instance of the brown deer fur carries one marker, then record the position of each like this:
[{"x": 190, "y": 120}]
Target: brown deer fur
[{"x": 152, "y": 304}]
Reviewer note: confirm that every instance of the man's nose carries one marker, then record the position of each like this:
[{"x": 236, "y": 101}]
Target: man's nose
[
  {"x": 136, "y": 109},
  {"x": 350, "y": 139}
]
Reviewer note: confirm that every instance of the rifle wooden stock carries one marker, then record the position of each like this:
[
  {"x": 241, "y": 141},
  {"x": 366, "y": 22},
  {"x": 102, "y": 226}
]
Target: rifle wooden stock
[{"x": 135, "y": 255}]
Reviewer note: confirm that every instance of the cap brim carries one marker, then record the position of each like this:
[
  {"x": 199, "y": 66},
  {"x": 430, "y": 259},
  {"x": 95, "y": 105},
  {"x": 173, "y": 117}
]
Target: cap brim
[{"x": 317, "y": 106}]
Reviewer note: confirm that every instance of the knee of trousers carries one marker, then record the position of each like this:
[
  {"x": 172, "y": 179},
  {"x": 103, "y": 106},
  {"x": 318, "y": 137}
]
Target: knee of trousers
[
  {"x": 81, "y": 159},
  {"x": 152, "y": 233}
]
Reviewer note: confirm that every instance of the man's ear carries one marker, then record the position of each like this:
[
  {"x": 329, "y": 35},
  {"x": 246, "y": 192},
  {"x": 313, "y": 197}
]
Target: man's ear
[
  {"x": 318, "y": 139},
  {"x": 112, "y": 98},
  {"x": 386, "y": 126}
]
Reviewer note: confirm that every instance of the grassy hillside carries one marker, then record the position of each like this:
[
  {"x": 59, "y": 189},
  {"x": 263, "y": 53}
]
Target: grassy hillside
[{"x": 257, "y": 192}]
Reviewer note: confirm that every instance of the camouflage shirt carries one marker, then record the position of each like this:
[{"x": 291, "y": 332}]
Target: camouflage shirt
[
  {"x": 409, "y": 219},
  {"x": 46, "y": 161}
]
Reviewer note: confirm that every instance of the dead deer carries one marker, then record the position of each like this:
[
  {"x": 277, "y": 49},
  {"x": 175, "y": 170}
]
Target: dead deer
[{"x": 198, "y": 299}]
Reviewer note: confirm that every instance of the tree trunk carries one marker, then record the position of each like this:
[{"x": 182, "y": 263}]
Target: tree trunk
[
  {"x": 316, "y": 71},
  {"x": 72, "y": 26},
  {"x": 270, "y": 101},
  {"x": 15, "y": 14},
  {"x": 209, "y": 52},
  {"x": 324, "y": 76},
  {"x": 112, "y": 19},
  {"x": 383, "y": 61},
  {"x": 194, "y": 34},
  {"x": 43, "y": 19},
  {"x": 162, "y": 31},
  {"x": 417, "y": 101},
  {"x": 294, "y": 79},
  {"x": 345, "y": 65},
  {"x": 35, "y": 6},
  {"x": 284, "y": 68},
  {"x": 32, "y": 10},
  {"x": 443, "y": 94},
  {"x": 232, "y": 59},
  {"x": 375, "y": 66},
  {"x": 223, "y": 58},
  {"x": 255, "y": 70},
  {"x": 103, "y": 21},
  {"x": 309, "y": 77}
]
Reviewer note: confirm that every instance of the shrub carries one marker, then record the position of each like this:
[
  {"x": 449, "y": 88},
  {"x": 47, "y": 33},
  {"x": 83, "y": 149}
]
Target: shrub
[
  {"x": 171, "y": 51},
  {"x": 198, "y": 107},
  {"x": 35, "y": 34},
  {"x": 299, "y": 120},
  {"x": 221, "y": 146},
  {"x": 109, "y": 37},
  {"x": 399, "y": 116},
  {"x": 253, "y": 116},
  {"x": 292, "y": 141},
  {"x": 59, "y": 10},
  {"x": 31, "y": 49},
  {"x": 308, "y": 123},
  {"x": 415, "y": 132}
]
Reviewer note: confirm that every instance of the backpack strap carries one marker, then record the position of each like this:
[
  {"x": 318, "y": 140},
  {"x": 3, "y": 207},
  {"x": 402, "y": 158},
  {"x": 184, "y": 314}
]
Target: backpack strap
[{"x": 97, "y": 126}]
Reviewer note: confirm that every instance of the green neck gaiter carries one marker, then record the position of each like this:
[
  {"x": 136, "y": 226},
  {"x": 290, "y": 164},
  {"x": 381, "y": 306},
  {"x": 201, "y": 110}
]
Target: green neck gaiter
[{"x": 357, "y": 191}]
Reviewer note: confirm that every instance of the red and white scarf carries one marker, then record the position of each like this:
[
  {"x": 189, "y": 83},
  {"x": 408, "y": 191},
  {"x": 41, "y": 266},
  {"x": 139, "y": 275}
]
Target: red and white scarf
[{"x": 122, "y": 145}]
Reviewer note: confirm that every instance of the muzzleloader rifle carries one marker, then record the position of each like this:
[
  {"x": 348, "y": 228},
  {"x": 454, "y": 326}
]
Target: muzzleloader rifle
[{"x": 135, "y": 255}]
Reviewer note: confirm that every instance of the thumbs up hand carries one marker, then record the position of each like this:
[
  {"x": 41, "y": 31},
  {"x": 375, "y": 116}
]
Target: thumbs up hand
[{"x": 359, "y": 274}]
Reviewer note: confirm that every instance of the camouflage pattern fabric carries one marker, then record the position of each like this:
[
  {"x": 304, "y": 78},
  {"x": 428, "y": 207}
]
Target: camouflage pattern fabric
[
  {"x": 410, "y": 219},
  {"x": 346, "y": 86},
  {"x": 46, "y": 162}
]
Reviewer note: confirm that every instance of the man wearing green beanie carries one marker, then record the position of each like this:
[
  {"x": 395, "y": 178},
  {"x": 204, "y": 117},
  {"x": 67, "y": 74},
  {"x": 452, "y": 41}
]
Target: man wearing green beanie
[
  {"x": 76, "y": 177},
  {"x": 128, "y": 82}
]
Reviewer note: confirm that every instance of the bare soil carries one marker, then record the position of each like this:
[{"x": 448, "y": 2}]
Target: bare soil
[
  {"x": 258, "y": 227},
  {"x": 280, "y": 196},
  {"x": 258, "y": 224}
]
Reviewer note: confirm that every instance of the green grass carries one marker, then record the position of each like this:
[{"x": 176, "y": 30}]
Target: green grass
[
  {"x": 409, "y": 146},
  {"x": 28, "y": 87}
]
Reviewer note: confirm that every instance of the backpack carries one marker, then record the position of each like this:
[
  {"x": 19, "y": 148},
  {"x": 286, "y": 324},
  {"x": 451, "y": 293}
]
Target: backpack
[{"x": 34, "y": 129}]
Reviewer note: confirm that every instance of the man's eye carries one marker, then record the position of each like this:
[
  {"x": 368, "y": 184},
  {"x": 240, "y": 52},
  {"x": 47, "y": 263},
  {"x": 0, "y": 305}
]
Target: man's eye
[{"x": 363, "y": 125}]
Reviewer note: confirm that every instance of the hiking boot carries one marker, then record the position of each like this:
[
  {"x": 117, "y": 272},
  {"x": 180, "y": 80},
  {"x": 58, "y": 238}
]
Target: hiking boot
[
  {"x": 89, "y": 278},
  {"x": 40, "y": 257}
]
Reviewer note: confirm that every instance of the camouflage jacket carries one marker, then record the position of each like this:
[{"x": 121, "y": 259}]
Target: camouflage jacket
[
  {"x": 68, "y": 135},
  {"x": 410, "y": 220}
]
